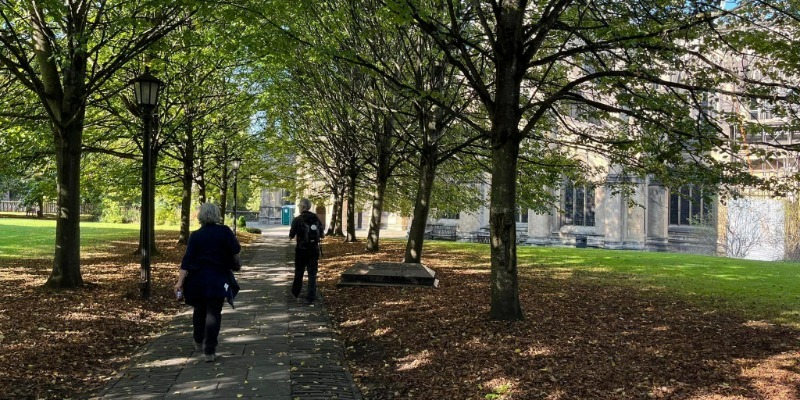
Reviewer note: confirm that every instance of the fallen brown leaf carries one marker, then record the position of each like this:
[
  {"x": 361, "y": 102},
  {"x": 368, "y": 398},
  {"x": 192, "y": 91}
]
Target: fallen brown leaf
[
  {"x": 60, "y": 344},
  {"x": 579, "y": 340}
]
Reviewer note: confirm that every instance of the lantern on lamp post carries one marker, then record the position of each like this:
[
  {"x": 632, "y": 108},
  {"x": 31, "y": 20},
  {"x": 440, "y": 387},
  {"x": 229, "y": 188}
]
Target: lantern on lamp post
[
  {"x": 235, "y": 164},
  {"x": 146, "y": 88}
]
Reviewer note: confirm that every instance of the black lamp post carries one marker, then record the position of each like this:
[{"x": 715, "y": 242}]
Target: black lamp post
[
  {"x": 146, "y": 88},
  {"x": 235, "y": 164}
]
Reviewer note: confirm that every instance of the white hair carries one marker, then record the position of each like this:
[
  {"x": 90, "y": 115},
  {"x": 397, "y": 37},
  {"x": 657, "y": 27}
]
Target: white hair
[
  {"x": 209, "y": 214},
  {"x": 304, "y": 204}
]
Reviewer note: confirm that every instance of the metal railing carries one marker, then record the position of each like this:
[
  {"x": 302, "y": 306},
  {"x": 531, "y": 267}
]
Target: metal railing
[{"x": 49, "y": 207}]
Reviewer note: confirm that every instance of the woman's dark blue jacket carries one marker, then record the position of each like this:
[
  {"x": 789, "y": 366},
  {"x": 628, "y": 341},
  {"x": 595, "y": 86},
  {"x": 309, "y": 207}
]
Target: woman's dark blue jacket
[{"x": 208, "y": 260}]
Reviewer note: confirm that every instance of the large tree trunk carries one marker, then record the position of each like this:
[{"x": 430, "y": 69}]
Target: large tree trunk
[
  {"x": 504, "y": 277},
  {"x": 383, "y": 152},
  {"x": 416, "y": 234},
  {"x": 505, "y": 139},
  {"x": 428, "y": 163},
  {"x": 373, "y": 236},
  {"x": 351, "y": 206},
  {"x": 505, "y": 115},
  {"x": 67, "y": 103},
  {"x": 66, "y": 264}
]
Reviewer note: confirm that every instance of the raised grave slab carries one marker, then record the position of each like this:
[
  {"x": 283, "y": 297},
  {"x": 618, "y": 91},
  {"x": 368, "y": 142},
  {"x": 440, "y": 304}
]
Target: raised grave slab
[{"x": 389, "y": 274}]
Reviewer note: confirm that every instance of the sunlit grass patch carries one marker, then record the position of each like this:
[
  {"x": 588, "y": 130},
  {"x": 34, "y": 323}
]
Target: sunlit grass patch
[{"x": 34, "y": 238}]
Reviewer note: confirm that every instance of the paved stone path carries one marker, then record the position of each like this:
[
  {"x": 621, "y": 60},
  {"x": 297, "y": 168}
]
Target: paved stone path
[{"x": 271, "y": 346}]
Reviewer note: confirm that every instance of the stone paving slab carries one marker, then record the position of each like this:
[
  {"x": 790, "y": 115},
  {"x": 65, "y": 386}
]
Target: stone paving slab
[{"x": 272, "y": 346}]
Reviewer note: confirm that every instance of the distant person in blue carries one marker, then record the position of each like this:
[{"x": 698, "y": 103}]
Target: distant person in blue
[
  {"x": 204, "y": 275},
  {"x": 307, "y": 230}
]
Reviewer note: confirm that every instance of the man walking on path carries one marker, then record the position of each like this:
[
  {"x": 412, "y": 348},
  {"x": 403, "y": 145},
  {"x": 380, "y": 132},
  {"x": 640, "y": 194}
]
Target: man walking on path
[{"x": 307, "y": 229}]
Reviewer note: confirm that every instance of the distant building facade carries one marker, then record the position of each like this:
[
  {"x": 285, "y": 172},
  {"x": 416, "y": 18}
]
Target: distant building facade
[{"x": 652, "y": 217}]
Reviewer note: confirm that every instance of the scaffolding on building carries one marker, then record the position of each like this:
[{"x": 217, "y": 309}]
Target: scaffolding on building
[{"x": 766, "y": 133}]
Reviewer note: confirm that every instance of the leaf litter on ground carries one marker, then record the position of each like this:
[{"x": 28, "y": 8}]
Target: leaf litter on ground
[
  {"x": 60, "y": 344},
  {"x": 579, "y": 339}
]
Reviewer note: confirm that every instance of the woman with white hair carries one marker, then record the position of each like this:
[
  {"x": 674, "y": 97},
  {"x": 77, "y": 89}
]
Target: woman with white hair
[{"x": 208, "y": 262}]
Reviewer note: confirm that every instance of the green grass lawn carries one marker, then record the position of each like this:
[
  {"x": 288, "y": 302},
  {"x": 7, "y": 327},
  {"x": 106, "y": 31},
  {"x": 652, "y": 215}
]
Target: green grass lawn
[
  {"x": 33, "y": 238},
  {"x": 758, "y": 289}
]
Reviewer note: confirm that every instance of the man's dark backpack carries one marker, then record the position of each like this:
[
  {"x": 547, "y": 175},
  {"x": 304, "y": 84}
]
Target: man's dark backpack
[{"x": 310, "y": 232}]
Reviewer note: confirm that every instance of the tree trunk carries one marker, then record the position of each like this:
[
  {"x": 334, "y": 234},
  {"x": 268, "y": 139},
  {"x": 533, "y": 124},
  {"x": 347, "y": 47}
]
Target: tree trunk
[
  {"x": 40, "y": 206},
  {"x": 224, "y": 194},
  {"x": 373, "y": 237},
  {"x": 428, "y": 163},
  {"x": 201, "y": 188},
  {"x": 66, "y": 263},
  {"x": 64, "y": 95},
  {"x": 186, "y": 204},
  {"x": 339, "y": 229},
  {"x": 505, "y": 115},
  {"x": 201, "y": 176},
  {"x": 186, "y": 194},
  {"x": 351, "y": 206},
  {"x": 335, "y": 226},
  {"x": 384, "y": 171},
  {"x": 416, "y": 234},
  {"x": 504, "y": 276}
]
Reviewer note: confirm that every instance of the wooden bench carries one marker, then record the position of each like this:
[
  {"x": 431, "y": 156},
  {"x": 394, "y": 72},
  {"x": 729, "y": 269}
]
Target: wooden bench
[
  {"x": 443, "y": 232},
  {"x": 429, "y": 230}
]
